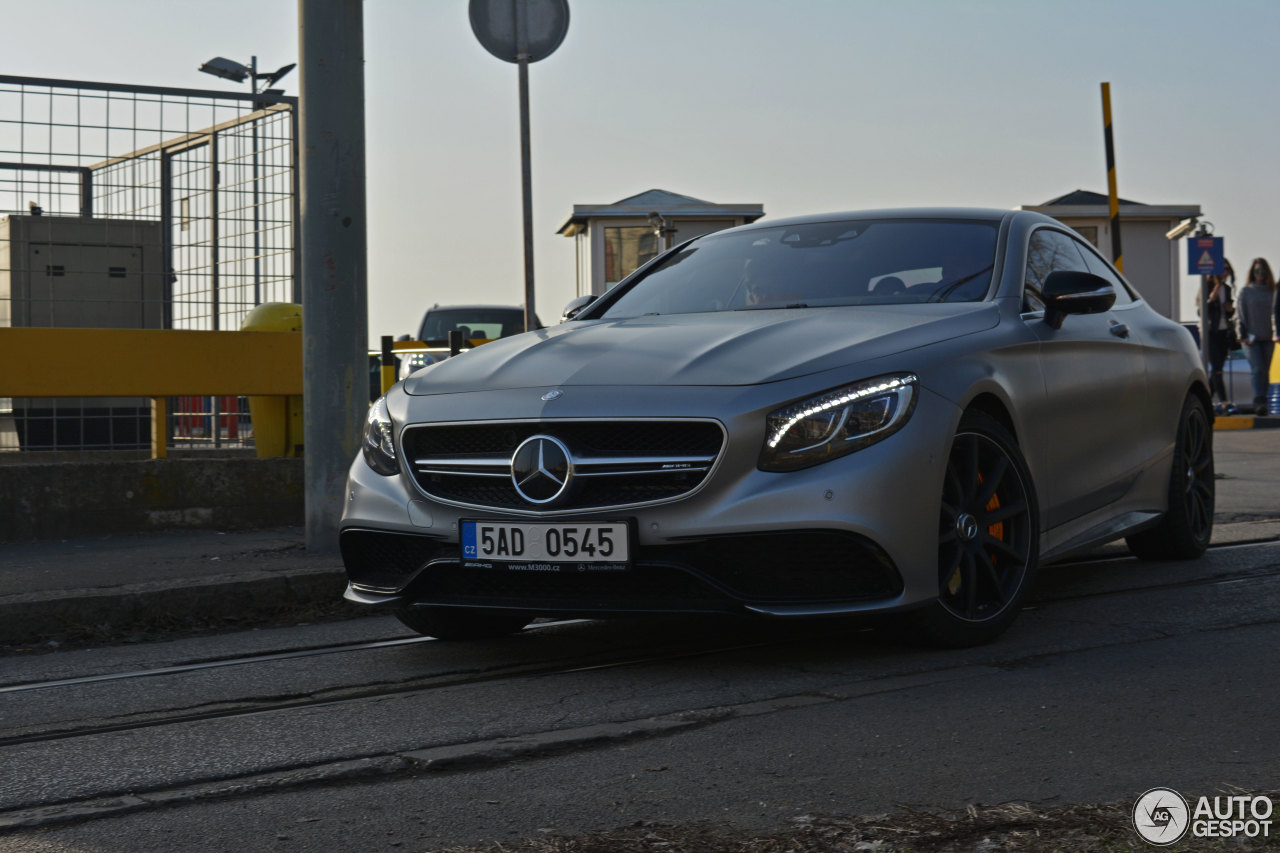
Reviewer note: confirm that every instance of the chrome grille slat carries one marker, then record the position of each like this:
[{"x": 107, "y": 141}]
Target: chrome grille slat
[
  {"x": 617, "y": 463},
  {"x": 639, "y": 460},
  {"x": 699, "y": 470},
  {"x": 449, "y": 461}
]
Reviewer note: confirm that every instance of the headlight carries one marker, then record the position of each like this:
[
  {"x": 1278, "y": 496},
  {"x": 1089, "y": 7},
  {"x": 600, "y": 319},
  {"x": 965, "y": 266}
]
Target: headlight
[
  {"x": 378, "y": 446},
  {"x": 837, "y": 422}
]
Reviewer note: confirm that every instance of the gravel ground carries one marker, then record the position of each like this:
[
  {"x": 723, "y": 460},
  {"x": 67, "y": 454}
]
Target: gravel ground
[{"x": 1008, "y": 828}]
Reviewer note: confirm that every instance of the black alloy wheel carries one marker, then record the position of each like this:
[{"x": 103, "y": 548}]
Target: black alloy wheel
[
  {"x": 988, "y": 537},
  {"x": 1187, "y": 525}
]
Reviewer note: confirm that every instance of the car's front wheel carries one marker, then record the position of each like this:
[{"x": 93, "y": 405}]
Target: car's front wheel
[
  {"x": 462, "y": 623},
  {"x": 1185, "y": 530},
  {"x": 988, "y": 537}
]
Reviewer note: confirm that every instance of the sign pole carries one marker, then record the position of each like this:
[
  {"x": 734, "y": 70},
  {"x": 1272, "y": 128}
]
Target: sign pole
[
  {"x": 1202, "y": 310},
  {"x": 527, "y": 189},
  {"x": 522, "y": 31}
]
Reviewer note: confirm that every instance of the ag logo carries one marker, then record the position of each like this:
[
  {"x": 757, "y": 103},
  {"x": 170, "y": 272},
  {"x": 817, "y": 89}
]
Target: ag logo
[{"x": 1161, "y": 816}]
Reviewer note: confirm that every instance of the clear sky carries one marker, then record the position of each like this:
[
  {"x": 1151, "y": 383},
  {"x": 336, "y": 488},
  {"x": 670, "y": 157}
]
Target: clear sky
[{"x": 803, "y": 106}]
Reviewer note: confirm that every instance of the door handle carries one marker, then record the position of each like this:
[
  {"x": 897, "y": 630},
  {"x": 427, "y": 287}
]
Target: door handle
[{"x": 1120, "y": 330}]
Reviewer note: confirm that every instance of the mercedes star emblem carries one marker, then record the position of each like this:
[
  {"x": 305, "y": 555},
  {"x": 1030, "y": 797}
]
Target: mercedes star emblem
[{"x": 541, "y": 469}]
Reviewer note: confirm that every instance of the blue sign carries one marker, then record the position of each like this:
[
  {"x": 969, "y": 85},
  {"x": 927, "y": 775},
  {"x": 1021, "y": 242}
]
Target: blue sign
[{"x": 1205, "y": 256}]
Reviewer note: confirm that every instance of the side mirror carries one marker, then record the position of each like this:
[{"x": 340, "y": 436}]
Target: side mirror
[
  {"x": 575, "y": 306},
  {"x": 1070, "y": 292}
]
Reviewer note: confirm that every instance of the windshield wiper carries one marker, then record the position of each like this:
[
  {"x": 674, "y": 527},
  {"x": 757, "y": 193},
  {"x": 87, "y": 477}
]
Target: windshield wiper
[
  {"x": 943, "y": 293},
  {"x": 771, "y": 307}
]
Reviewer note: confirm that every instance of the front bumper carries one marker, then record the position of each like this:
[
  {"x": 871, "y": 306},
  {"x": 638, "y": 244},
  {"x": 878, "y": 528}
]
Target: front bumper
[
  {"x": 781, "y": 573},
  {"x": 858, "y": 533}
]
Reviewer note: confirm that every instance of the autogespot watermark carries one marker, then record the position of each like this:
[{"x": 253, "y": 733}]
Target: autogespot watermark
[{"x": 1162, "y": 817}]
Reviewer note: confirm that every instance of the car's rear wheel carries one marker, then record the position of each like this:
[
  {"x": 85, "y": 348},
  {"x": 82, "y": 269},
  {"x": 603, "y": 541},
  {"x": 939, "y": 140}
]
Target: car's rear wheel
[
  {"x": 988, "y": 537},
  {"x": 1185, "y": 530},
  {"x": 462, "y": 623}
]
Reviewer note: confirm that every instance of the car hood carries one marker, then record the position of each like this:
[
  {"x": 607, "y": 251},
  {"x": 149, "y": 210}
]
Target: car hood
[{"x": 727, "y": 348}]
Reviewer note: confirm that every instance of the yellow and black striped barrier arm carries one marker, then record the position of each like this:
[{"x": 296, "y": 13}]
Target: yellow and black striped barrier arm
[
  {"x": 1113, "y": 198},
  {"x": 388, "y": 364},
  {"x": 390, "y": 348}
]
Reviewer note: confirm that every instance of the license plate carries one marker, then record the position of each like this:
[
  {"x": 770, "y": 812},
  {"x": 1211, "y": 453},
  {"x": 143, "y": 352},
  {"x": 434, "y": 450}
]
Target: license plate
[{"x": 547, "y": 547}]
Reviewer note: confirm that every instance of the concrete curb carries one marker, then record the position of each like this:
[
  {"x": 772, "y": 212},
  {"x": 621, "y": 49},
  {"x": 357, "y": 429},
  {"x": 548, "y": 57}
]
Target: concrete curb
[
  {"x": 257, "y": 595},
  {"x": 1246, "y": 422}
]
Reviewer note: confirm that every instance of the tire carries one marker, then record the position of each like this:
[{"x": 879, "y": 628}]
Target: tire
[
  {"x": 462, "y": 623},
  {"x": 988, "y": 538},
  {"x": 1184, "y": 531}
]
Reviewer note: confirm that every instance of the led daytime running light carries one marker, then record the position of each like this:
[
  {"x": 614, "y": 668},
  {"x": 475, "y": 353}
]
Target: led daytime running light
[{"x": 838, "y": 402}]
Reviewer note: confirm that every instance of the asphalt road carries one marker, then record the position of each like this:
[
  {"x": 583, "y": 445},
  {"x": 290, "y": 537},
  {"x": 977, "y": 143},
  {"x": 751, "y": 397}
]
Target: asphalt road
[
  {"x": 1122, "y": 676},
  {"x": 1248, "y": 465}
]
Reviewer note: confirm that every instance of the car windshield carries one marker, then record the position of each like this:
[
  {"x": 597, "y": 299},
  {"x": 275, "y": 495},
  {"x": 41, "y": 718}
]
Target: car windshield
[
  {"x": 487, "y": 323},
  {"x": 819, "y": 264}
]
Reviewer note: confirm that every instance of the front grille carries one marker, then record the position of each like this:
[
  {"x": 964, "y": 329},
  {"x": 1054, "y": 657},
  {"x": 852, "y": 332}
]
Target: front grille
[{"x": 616, "y": 463}]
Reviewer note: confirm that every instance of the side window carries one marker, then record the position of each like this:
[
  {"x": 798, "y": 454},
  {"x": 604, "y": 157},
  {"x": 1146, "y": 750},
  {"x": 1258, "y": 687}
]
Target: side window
[
  {"x": 1047, "y": 252},
  {"x": 1098, "y": 267}
]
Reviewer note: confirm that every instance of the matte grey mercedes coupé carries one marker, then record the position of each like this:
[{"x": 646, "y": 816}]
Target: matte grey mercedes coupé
[{"x": 900, "y": 412}]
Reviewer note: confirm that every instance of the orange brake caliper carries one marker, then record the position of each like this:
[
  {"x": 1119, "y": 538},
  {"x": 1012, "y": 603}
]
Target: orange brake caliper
[{"x": 995, "y": 530}]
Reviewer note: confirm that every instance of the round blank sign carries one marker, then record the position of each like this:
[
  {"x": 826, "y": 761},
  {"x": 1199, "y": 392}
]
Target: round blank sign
[{"x": 510, "y": 28}]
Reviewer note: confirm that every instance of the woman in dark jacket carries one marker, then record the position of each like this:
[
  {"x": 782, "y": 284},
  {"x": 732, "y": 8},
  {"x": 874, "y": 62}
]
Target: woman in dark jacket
[
  {"x": 1219, "y": 312},
  {"x": 1257, "y": 310}
]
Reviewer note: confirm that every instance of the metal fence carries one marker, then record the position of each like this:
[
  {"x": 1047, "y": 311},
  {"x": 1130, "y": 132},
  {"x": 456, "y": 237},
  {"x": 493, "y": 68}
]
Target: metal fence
[{"x": 140, "y": 207}]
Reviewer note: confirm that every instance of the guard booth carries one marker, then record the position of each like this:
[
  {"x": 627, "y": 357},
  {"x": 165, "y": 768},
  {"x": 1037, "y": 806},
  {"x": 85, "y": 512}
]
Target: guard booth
[
  {"x": 611, "y": 241},
  {"x": 1150, "y": 259}
]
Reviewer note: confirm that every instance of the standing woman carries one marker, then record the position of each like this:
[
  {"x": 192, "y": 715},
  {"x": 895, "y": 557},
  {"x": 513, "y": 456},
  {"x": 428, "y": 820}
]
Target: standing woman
[
  {"x": 1219, "y": 313},
  {"x": 1256, "y": 308}
]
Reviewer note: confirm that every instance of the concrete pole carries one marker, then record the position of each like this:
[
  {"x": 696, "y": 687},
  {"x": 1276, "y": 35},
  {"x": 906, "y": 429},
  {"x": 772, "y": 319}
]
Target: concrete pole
[{"x": 334, "y": 296}]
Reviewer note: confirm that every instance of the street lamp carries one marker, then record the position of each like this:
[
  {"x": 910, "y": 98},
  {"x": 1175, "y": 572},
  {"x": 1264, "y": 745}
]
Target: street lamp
[
  {"x": 229, "y": 69},
  {"x": 662, "y": 229}
]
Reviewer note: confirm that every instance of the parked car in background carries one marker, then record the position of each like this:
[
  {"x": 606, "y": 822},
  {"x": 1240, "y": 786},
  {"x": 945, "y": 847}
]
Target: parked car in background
[
  {"x": 475, "y": 322},
  {"x": 485, "y": 322},
  {"x": 892, "y": 412}
]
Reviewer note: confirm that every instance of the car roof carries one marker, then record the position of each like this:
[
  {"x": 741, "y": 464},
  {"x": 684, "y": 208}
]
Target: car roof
[
  {"x": 965, "y": 213},
  {"x": 475, "y": 308}
]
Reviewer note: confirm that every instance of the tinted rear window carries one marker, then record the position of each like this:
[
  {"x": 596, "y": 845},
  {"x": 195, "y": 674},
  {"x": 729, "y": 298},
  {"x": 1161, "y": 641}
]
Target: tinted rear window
[{"x": 486, "y": 323}]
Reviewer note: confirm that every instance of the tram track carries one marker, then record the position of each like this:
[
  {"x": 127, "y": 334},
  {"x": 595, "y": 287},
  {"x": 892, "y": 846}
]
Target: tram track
[
  {"x": 564, "y": 665},
  {"x": 518, "y": 741},
  {"x": 371, "y": 645},
  {"x": 355, "y": 693}
]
